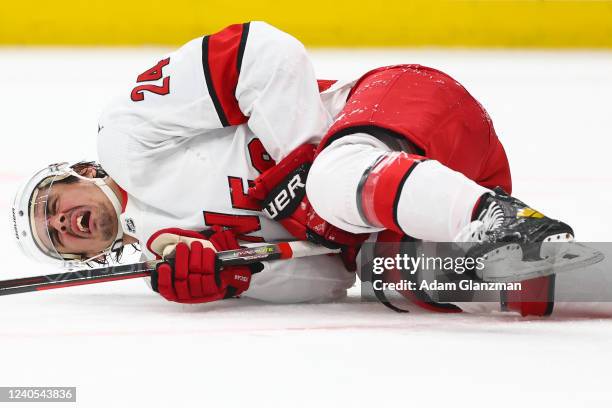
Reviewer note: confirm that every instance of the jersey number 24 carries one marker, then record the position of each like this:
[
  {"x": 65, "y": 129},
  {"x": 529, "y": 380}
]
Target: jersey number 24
[{"x": 152, "y": 74}]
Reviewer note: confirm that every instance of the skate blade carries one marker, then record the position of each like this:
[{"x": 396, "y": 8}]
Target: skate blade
[{"x": 555, "y": 257}]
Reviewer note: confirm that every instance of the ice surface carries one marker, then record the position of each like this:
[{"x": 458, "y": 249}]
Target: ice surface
[{"x": 120, "y": 344}]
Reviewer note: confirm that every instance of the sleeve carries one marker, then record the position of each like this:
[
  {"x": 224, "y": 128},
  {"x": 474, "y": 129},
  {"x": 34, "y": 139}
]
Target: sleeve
[
  {"x": 250, "y": 73},
  {"x": 278, "y": 91},
  {"x": 259, "y": 74}
]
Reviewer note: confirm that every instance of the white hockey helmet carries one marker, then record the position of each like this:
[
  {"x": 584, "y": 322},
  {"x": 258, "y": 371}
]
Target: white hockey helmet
[{"x": 30, "y": 220}]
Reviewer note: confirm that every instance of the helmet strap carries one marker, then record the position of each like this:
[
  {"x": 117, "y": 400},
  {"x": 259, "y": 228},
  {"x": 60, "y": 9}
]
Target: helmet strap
[{"x": 110, "y": 194}]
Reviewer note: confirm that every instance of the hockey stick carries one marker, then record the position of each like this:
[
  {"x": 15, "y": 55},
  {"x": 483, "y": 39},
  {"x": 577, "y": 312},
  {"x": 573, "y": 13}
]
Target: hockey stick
[{"x": 242, "y": 256}]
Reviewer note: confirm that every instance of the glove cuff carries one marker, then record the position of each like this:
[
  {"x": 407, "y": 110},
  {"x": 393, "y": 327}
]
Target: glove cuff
[{"x": 163, "y": 242}]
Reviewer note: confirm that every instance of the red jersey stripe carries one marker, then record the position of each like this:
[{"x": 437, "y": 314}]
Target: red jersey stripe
[
  {"x": 325, "y": 84},
  {"x": 221, "y": 60},
  {"x": 124, "y": 198}
]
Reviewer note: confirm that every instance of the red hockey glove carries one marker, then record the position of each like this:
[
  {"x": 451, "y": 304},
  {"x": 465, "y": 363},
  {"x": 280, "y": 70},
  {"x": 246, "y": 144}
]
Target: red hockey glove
[
  {"x": 192, "y": 274},
  {"x": 281, "y": 191}
]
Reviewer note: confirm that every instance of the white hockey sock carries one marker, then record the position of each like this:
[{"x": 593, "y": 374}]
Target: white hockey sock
[
  {"x": 359, "y": 185},
  {"x": 436, "y": 203}
]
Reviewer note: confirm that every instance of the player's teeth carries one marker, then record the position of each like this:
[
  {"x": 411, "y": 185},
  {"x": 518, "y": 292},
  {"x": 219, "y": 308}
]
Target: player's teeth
[{"x": 81, "y": 228}]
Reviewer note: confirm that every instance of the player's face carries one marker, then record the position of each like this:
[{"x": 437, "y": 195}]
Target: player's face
[{"x": 80, "y": 219}]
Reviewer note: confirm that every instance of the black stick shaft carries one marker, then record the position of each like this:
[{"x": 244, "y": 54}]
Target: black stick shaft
[
  {"x": 76, "y": 278},
  {"x": 242, "y": 256}
]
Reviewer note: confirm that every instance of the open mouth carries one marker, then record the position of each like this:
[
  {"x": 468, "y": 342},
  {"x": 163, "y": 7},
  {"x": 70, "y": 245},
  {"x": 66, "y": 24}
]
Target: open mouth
[{"x": 81, "y": 221}]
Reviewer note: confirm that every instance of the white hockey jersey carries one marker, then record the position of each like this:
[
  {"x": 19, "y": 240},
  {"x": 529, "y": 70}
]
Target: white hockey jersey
[{"x": 206, "y": 120}]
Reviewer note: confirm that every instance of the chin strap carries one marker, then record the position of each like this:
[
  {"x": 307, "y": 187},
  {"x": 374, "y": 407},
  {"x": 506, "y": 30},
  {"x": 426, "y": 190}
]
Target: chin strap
[{"x": 110, "y": 194}]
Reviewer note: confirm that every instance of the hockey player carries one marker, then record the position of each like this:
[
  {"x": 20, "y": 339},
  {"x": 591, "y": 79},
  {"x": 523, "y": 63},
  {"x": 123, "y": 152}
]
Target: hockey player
[{"x": 219, "y": 142}]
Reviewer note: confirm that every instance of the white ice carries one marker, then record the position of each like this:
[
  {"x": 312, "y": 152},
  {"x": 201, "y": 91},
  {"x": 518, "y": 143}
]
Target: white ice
[{"x": 122, "y": 345}]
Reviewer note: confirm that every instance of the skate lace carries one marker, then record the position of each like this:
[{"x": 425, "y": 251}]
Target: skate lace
[
  {"x": 492, "y": 218},
  {"x": 484, "y": 226}
]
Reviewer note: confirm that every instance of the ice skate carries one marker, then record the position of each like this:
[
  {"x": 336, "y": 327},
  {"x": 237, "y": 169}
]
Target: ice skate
[{"x": 517, "y": 243}]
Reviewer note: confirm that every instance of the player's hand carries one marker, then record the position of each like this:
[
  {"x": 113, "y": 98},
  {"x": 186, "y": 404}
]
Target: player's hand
[{"x": 191, "y": 274}]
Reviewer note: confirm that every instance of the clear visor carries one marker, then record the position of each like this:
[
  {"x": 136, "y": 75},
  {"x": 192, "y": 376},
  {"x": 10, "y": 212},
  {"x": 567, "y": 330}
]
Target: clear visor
[
  {"x": 42, "y": 211},
  {"x": 50, "y": 226}
]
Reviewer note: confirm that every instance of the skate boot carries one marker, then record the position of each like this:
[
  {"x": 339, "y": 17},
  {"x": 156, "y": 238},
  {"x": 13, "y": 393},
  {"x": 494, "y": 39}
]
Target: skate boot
[{"x": 516, "y": 242}]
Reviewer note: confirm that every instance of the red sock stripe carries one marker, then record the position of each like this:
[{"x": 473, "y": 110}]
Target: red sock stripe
[
  {"x": 383, "y": 186},
  {"x": 221, "y": 59}
]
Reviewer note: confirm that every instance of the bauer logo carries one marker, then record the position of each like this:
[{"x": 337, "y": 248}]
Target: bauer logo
[
  {"x": 15, "y": 224},
  {"x": 286, "y": 197}
]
